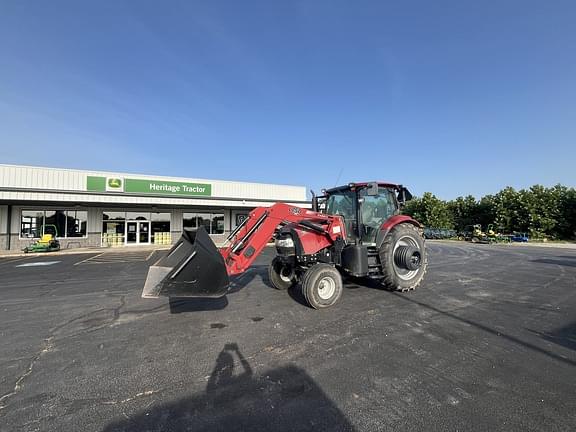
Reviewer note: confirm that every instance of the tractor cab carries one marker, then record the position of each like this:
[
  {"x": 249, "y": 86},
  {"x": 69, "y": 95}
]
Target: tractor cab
[{"x": 363, "y": 206}]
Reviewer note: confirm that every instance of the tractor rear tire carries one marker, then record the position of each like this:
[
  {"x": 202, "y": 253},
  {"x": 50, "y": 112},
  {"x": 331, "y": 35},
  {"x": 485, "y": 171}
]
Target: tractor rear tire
[
  {"x": 280, "y": 275},
  {"x": 322, "y": 286},
  {"x": 403, "y": 257}
]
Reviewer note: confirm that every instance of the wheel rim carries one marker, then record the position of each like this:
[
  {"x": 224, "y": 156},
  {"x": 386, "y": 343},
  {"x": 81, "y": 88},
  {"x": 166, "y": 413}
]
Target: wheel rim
[
  {"x": 286, "y": 274},
  {"x": 326, "y": 288},
  {"x": 404, "y": 273}
]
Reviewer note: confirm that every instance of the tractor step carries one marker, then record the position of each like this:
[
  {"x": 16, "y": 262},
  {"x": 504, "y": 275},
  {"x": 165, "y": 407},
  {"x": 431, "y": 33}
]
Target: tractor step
[{"x": 374, "y": 265}]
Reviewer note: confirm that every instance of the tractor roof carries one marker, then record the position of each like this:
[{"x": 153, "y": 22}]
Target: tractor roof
[{"x": 363, "y": 184}]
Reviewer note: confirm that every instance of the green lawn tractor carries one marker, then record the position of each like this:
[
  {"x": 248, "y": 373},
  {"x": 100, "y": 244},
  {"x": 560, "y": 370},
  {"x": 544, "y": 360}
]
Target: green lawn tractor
[
  {"x": 496, "y": 236},
  {"x": 474, "y": 234},
  {"x": 47, "y": 242}
]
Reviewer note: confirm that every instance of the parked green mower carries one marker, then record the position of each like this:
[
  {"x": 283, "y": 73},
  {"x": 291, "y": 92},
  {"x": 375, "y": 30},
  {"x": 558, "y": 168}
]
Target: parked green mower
[
  {"x": 474, "y": 234},
  {"x": 47, "y": 242}
]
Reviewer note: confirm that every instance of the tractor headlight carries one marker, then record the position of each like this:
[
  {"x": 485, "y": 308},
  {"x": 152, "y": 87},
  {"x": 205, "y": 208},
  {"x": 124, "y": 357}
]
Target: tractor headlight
[
  {"x": 285, "y": 242},
  {"x": 285, "y": 245}
]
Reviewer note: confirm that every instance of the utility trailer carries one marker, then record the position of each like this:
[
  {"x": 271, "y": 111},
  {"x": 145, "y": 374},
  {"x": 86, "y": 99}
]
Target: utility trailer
[{"x": 353, "y": 230}]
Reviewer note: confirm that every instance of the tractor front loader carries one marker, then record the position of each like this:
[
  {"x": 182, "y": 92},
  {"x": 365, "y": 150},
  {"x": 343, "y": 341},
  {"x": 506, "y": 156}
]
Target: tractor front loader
[{"x": 353, "y": 230}]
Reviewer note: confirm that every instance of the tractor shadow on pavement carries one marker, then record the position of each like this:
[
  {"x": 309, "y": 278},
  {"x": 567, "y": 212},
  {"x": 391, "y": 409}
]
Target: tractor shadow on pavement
[
  {"x": 183, "y": 304},
  {"x": 237, "y": 283},
  {"x": 561, "y": 261},
  {"x": 349, "y": 283},
  {"x": 563, "y": 336},
  {"x": 281, "y": 399},
  {"x": 558, "y": 336}
]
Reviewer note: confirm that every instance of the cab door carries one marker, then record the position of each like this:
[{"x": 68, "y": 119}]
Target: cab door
[{"x": 374, "y": 211}]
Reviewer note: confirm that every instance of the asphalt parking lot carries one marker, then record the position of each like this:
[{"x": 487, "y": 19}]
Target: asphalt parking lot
[{"x": 487, "y": 343}]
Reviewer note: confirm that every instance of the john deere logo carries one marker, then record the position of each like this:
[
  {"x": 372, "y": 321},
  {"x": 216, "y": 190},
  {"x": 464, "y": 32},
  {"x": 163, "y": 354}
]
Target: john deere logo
[{"x": 114, "y": 183}]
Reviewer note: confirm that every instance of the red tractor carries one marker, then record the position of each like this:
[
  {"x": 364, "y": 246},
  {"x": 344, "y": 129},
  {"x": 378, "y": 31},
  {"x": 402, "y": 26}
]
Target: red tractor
[{"x": 354, "y": 230}]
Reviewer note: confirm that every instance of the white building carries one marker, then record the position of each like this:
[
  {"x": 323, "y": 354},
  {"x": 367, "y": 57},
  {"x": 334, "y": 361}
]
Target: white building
[{"x": 92, "y": 208}]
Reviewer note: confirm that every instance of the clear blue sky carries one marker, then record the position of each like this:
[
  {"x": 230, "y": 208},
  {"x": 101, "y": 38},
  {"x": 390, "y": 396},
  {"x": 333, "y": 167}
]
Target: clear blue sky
[{"x": 453, "y": 97}]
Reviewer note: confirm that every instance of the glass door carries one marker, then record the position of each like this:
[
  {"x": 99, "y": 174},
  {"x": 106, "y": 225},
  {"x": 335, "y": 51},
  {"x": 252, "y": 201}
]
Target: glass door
[
  {"x": 137, "y": 232},
  {"x": 131, "y": 233},
  {"x": 144, "y": 232}
]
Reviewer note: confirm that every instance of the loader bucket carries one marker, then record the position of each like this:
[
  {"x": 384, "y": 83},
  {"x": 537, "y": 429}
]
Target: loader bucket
[{"x": 193, "y": 268}]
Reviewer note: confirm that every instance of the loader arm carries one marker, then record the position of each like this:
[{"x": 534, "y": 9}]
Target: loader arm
[
  {"x": 194, "y": 267},
  {"x": 251, "y": 237}
]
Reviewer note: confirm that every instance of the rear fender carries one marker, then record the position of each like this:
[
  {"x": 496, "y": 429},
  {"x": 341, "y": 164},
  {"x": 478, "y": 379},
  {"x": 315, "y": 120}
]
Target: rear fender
[{"x": 391, "y": 223}]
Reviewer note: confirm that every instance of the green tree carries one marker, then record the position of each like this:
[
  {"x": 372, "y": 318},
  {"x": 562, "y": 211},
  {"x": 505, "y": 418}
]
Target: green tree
[
  {"x": 509, "y": 210},
  {"x": 464, "y": 211},
  {"x": 543, "y": 208},
  {"x": 539, "y": 211},
  {"x": 566, "y": 227},
  {"x": 430, "y": 211},
  {"x": 486, "y": 214}
]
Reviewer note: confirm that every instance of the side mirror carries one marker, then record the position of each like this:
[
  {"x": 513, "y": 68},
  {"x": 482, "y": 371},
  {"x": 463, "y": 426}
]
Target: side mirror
[{"x": 404, "y": 195}]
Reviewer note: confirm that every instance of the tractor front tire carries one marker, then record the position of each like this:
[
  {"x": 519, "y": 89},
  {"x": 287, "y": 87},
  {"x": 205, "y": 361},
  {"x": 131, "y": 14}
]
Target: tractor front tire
[
  {"x": 281, "y": 275},
  {"x": 403, "y": 257},
  {"x": 322, "y": 286}
]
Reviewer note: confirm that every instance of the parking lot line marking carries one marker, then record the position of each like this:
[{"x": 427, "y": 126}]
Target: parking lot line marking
[
  {"x": 84, "y": 260},
  {"x": 38, "y": 264},
  {"x": 116, "y": 257}
]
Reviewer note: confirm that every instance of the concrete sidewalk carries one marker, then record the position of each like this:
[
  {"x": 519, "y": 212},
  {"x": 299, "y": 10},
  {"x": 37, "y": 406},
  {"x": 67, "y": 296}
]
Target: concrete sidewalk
[
  {"x": 88, "y": 250},
  {"x": 101, "y": 249}
]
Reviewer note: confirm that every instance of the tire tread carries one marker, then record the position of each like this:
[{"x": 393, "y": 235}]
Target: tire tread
[
  {"x": 388, "y": 280},
  {"x": 310, "y": 273}
]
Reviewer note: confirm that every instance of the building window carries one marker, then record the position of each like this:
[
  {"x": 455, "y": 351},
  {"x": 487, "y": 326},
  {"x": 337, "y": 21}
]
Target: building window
[
  {"x": 31, "y": 223},
  {"x": 59, "y": 223},
  {"x": 76, "y": 221},
  {"x": 240, "y": 218},
  {"x": 212, "y": 222},
  {"x": 55, "y": 222},
  {"x": 160, "y": 228},
  {"x": 138, "y": 216},
  {"x": 217, "y": 224},
  {"x": 160, "y": 217},
  {"x": 114, "y": 215},
  {"x": 189, "y": 220}
]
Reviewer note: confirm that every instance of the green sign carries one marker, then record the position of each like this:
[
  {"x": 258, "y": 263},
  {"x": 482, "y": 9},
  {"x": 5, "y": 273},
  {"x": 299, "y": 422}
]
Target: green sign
[
  {"x": 143, "y": 186},
  {"x": 96, "y": 184},
  {"x": 166, "y": 187}
]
